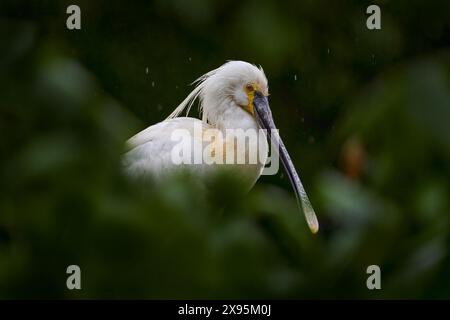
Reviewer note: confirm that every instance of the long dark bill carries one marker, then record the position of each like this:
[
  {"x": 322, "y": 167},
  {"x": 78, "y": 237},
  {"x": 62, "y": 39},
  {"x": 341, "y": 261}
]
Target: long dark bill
[{"x": 265, "y": 120}]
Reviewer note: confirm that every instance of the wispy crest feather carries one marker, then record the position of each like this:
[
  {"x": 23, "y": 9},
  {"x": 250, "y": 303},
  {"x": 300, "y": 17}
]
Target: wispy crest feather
[{"x": 190, "y": 99}]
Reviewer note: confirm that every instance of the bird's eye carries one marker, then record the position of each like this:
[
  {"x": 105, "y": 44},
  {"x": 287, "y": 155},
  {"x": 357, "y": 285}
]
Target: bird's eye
[{"x": 249, "y": 87}]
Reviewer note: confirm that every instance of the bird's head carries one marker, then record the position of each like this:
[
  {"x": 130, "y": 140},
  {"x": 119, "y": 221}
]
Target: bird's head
[
  {"x": 233, "y": 84},
  {"x": 220, "y": 91}
]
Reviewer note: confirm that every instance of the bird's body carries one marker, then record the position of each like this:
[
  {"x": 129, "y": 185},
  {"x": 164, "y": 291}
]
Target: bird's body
[
  {"x": 233, "y": 101},
  {"x": 150, "y": 151}
]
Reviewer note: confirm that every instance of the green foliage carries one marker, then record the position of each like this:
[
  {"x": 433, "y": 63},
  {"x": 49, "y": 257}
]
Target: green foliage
[{"x": 364, "y": 115}]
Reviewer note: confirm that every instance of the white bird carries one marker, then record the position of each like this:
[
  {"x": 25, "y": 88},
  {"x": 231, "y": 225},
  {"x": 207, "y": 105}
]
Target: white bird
[{"x": 233, "y": 98}]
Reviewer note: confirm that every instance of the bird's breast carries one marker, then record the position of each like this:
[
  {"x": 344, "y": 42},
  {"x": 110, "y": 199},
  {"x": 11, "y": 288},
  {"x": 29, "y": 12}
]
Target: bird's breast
[{"x": 242, "y": 152}]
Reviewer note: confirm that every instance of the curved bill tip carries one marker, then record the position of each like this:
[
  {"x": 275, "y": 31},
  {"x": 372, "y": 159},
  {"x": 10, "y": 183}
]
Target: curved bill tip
[
  {"x": 310, "y": 215},
  {"x": 312, "y": 221}
]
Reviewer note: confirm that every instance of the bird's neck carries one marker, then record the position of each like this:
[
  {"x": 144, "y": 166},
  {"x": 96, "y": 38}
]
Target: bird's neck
[
  {"x": 242, "y": 140},
  {"x": 234, "y": 117}
]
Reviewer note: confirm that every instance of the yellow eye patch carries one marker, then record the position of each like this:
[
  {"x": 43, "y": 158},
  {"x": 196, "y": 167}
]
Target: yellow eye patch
[{"x": 250, "y": 89}]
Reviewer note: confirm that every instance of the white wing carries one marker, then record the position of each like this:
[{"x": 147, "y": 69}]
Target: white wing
[{"x": 150, "y": 151}]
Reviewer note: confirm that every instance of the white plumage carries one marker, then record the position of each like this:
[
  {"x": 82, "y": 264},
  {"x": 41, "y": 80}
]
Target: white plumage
[{"x": 232, "y": 96}]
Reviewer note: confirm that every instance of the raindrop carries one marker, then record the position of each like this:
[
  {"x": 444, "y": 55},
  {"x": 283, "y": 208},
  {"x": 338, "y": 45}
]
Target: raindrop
[
  {"x": 153, "y": 83},
  {"x": 328, "y": 50},
  {"x": 295, "y": 77},
  {"x": 190, "y": 59},
  {"x": 146, "y": 70}
]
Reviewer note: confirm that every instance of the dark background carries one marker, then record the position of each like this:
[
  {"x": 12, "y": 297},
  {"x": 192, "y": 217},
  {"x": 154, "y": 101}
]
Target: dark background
[{"x": 365, "y": 115}]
